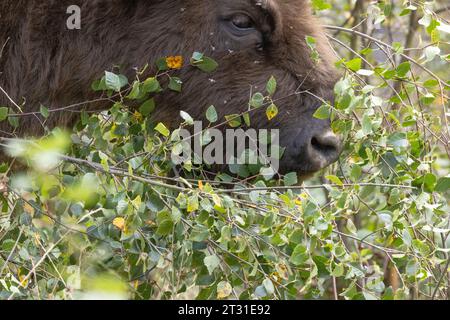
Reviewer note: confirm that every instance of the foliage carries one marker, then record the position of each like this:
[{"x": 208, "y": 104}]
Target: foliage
[{"x": 99, "y": 213}]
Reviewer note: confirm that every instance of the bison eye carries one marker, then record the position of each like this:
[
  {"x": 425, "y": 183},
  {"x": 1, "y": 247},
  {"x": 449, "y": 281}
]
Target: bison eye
[
  {"x": 243, "y": 32},
  {"x": 242, "y": 22}
]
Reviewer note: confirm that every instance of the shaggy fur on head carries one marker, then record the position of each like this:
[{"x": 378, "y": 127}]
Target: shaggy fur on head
[{"x": 43, "y": 62}]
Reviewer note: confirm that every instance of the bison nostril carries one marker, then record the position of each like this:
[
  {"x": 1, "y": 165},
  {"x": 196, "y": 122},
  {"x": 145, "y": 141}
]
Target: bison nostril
[
  {"x": 322, "y": 147},
  {"x": 325, "y": 145}
]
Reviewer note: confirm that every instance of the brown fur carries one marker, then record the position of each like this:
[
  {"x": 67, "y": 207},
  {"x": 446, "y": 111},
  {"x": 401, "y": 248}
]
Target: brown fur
[{"x": 45, "y": 63}]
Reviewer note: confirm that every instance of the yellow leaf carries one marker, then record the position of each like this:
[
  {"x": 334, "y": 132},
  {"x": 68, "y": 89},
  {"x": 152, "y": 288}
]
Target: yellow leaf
[
  {"x": 23, "y": 280},
  {"x": 37, "y": 239},
  {"x": 174, "y": 62},
  {"x": 224, "y": 290},
  {"x": 137, "y": 202},
  {"x": 28, "y": 208},
  {"x": 217, "y": 200},
  {"x": 138, "y": 116},
  {"x": 335, "y": 180},
  {"x": 200, "y": 185},
  {"x": 119, "y": 223},
  {"x": 275, "y": 277},
  {"x": 282, "y": 271},
  {"x": 271, "y": 111}
]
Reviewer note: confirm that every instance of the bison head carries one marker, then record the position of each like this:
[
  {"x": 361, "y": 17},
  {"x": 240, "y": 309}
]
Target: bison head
[{"x": 252, "y": 40}]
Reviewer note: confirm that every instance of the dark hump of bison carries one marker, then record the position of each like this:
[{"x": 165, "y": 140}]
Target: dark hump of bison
[{"x": 43, "y": 62}]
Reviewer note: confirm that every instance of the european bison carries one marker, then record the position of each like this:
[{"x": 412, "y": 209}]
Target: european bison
[{"x": 43, "y": 62}]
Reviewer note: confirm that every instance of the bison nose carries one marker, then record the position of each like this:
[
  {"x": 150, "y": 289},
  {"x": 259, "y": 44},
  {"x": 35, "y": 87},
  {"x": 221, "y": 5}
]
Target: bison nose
[{"x": 324, "y": 148}]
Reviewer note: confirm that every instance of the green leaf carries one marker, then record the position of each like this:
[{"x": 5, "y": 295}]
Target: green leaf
[
  {"x": 211, "y": 263},
  {"x": 115, "y": 82},
  {"x": 398, "y": 47},
  {"x": 431, "y": 53},
  {"x": 186, "y": 117},
  {"x": 403, "y": 69},
  {"x": 260, "y": 292},
  {"x": 257, "y": 100},
  {"x": 268, "y": 285},
  {"x": 299, "y": 255},
  {"x": 161, "y": 128},
  {"x": 345, "y": 101},
  {"x": 204, "y": 63},
  {"x": 199, "y": 233},
  {"x": 421, "y": 247},
  {"x": 234, "y": 120},
  {"x": 147, "y": 107},
  {"x": 165, "y": 228},
  {"x": 211, "y": 114},
  {"x": 161, "y": 64},
  {"x": 323, "y": 112},
  {"x": 442, "y": 185},
  {"x": 431, "y": 83},
  {"x": 354, "y": 64},
  {"x": 398, "y": 140},
  {"x": 429, "y": 182},
  {"x": 338, "y": 270},
  {"x": 412, "y": 267},
  {"x": 320, "y": 5},
  {"x": 135, "y": 91},
  {"x": 176, "y": 214},
  {"x": 151, "y": 85},
  {"x": 246, "y": 118},
  {"x": 8, "y": 245},
  {"x": 175, "y": 84},
  {"x": 335, "y": 180},
  {"x": 3, "y": 113},
  {"x": 311, "y": 43},
  {"x": 367, "y": 126},
  {"x": 14, "y": 121},
  {"x": 267, "y": 173},
  {"x": 44, "y": 111},
  {"x": 351, "y": 227},
  {"x": 99, "y": 85},
  {"x": 355, "y": 173},
  {"x": 428, "y": 98},
  {"x": 271, "y": 86},
  {"x": 290, "y": 179},
  {"x": 197, "y": 56},
  {"x": 192, "y": 204}
]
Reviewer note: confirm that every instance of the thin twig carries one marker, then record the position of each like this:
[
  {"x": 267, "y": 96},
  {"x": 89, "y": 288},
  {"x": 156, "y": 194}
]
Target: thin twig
[{"x": 444, "y": 272}]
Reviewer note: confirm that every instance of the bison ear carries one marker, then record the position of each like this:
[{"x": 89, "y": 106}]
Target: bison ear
[{"x": 273, "y": 12}]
